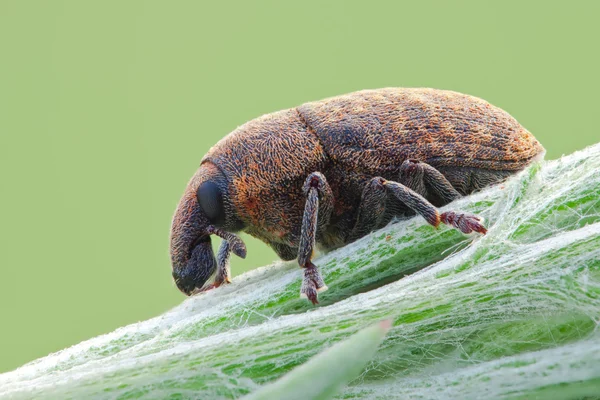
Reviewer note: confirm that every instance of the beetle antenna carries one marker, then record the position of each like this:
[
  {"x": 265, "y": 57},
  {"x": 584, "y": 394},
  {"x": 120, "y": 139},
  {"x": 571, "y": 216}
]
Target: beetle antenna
[{"x": 237, "y": 245}]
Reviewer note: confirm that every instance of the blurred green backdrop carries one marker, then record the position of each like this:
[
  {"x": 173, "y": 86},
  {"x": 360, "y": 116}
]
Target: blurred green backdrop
[{"x": 107, "y": 107}]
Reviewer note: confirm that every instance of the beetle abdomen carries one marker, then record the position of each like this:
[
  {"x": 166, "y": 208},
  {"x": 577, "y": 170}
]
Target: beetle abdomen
[{"x": 375, "y": 130}]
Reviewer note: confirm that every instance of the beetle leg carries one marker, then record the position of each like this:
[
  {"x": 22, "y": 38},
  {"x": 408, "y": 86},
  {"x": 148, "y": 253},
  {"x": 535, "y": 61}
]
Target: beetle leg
[
  {"x": 223, "y": 271},
  {"x": 466, "y": 223},
  {"x": 223, "y": 274},
  {"x": 234, "y": 242},
  {"x": 315, "y": 216},
  {"x": 427, "y": 181},
  {"x": 312, "y": 283},
  {"x": 370, "y": 211}
]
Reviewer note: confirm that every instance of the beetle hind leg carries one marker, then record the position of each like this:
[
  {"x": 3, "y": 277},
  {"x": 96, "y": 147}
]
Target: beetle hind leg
[
  {"x": 317, "y": 211},
  {"x": 428, "y": 182},
  {"x": 433, "y": 185},
  {"x": 466, "y": 223}
]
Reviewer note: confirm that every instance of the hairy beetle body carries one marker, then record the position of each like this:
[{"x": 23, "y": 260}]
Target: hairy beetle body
[{"x": 461, "y": 142}]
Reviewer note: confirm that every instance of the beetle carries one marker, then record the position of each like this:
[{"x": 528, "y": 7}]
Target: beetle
[{"x": 329, "y": 172}]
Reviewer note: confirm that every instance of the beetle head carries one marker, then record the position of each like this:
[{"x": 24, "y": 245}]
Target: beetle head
[{"x": 204, "y": 209}]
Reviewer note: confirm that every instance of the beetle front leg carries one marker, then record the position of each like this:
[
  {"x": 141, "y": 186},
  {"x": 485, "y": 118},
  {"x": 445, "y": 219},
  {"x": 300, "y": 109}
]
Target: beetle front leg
[
  {"x": 317, "y": 211},
  {"x": 223, "y": 274},
  {"x": 466, "y": 223},
  {"x": 223, "y": 271}
]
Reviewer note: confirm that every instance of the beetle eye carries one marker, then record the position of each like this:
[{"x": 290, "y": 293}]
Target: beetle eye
[{"x": 210, "y": 199}]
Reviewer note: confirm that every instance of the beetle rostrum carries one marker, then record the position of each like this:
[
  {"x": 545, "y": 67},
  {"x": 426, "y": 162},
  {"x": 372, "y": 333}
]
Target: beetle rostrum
[{"x": 329, "y": 172}]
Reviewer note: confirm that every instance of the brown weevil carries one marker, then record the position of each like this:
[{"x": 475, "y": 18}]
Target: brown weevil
[{"x": 331, "y": 171}]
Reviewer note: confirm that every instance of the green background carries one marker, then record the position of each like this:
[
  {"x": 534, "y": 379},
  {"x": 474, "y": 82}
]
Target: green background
[{"x": 107, "y": 107}]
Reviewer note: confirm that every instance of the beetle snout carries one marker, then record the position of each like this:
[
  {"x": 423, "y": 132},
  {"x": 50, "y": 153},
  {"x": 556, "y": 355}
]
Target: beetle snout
[
  {"x": 198, "y": 268},
  {"x": 184, "y": 281}
]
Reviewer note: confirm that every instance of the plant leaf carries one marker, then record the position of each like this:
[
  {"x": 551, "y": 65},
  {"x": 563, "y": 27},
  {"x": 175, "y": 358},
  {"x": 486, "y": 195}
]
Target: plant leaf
[
  {"x": 512, "y": 314},
  {"x": 325, "y": 374}
]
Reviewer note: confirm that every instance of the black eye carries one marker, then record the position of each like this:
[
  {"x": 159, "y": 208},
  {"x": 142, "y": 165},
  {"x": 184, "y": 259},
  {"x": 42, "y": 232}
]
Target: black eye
[{"x": 210, "y": 199}]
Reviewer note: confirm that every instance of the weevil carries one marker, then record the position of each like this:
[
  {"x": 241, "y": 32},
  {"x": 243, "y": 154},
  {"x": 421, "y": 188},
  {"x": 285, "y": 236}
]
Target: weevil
[{"x": 329, "y": 172}]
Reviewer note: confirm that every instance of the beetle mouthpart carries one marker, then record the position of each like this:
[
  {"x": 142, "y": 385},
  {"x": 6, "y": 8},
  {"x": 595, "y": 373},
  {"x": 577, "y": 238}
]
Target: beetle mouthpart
[{"x": 237, "y": 245}]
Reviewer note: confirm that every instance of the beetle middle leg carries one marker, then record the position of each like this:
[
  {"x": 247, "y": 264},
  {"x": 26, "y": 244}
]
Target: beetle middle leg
[
  {"x": 317, "y": 211},
  {"x": 370, "y": 210}
]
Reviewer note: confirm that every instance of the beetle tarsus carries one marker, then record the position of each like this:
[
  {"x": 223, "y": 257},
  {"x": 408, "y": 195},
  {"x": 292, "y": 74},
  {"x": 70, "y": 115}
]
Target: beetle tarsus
[
  {"x": 466, "y": 223},
  {"x": 312, "y": 283}
]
